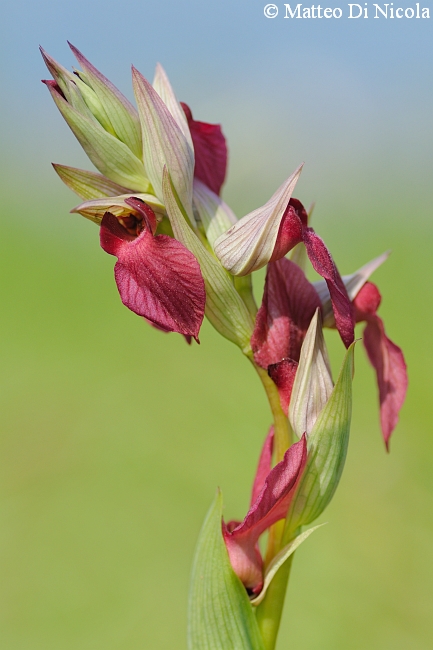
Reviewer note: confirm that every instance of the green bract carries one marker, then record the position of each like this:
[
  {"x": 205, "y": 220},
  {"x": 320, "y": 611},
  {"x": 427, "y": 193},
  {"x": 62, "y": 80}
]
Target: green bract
[
  {"x": 220, "y": 615},
  {"x": 313, "y": 382},
  {"x": 327, "y": 447},
  {"x": 224, "y": 307},
  {"x": 111, "y": 156},
  {"x": 164, "y": 144}
]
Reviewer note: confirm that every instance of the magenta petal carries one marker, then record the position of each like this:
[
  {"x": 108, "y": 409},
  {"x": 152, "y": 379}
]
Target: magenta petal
[
  {"x": 283, "y": 375},
  {"x": 157, "y": 277},
  {"x": 270, "y": 506},
  {"x": 210, "y": 150},
  {"x": 288, "y": 305},
  {"x": 295, "y": 219},
  {"x": 385, "y": 357},
  {"x": 323, "y": 263},
  {"x": 264, "y": 466},
  {"x": 388, "y": 361}
]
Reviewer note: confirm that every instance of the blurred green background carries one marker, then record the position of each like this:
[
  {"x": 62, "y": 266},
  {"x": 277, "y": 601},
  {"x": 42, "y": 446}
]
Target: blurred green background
[{"x": 114, "y": 436}]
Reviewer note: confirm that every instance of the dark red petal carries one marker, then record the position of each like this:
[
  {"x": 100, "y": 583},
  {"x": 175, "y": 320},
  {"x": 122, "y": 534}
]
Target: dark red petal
[
  {"x": 294, "y": 221},
  {"x": 288, "y": 305},
  {"x": 283, "y": 375},
  {"x": 264, "y": 466},
  {"x": 323, "y": 263},
  {"x": 157, "y": 277},
  {"x": 388, "y": 361},
  {"x": 270, "y": 506},
  {"x": 367, "y": 302},
  {"x": 187, "y": 337},
  {"x": 145, "y": 211},
  {"x": 210, "y": 150},
  {"x": 274, "y": 499}
]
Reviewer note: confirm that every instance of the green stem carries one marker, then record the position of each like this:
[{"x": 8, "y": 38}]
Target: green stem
[
  {"x": 282, "y": 432},
  {"x": 271, "y": 608}
]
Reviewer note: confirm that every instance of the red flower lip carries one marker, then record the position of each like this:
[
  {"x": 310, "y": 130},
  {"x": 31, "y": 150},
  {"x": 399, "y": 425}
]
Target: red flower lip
[{"x": 157, "y": 277}]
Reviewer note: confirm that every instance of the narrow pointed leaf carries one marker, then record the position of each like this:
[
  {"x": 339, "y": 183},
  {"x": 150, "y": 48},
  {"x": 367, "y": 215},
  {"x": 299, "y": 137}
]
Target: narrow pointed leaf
[
  {"x": 88, "y": 185},
  {"x": 110, "y": 156},
  {"x": 224, "y": 307},
  {"x": 279, "y": 560},
  {"x": 313, "y": 382},
  {"x": 215, "y": 215},
  {"x": 327, "y": 448},
  {"x": 120, "y": 111},
  {"x": 250, "y": 243},
  {"x": 163, "y": 144},
  {"x": 220, "y": 615}
]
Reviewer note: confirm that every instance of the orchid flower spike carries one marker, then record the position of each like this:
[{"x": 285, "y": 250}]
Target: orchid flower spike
[{"x": 157, "y": 277}]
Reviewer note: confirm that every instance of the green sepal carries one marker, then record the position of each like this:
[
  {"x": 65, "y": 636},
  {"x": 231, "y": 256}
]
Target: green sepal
[
  {"x": 109, "y": 155},
  {"x": 215, "y": 215},
  {"x": 326, "y": 447},
  {"x": 225, "y": 308},
  {"x": 279, "y": 560},
  {"x": 59, "y": 73},
  {"x": 88, "y": 185},
  {"x": 119, "y": 112},
  {"x": 220, "y": 615},
  {"x": 164, "y": 144},
  {"x": 95, "y": 209},
  {"x": 93, "y": 103},
  {"x": 313, "y": 385}
]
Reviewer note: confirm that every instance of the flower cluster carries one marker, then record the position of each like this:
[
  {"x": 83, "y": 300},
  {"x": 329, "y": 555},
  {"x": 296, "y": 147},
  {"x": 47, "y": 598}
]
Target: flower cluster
[{"x": 182, "y": 253}]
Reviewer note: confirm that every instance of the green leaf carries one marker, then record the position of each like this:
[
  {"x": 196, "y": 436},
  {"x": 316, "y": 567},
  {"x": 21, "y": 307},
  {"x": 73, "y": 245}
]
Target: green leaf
[
  {"x": 224, "y": 307},
  {"x": 327, "y": 448},
  {"x": 109, "y": 155},
  {"x": 279, "y": 560},
  {"x": 88, "y": 185},
  {"x": 220, "y": 616}
]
